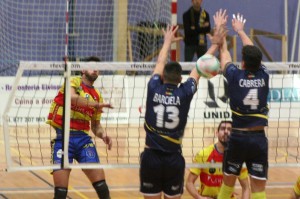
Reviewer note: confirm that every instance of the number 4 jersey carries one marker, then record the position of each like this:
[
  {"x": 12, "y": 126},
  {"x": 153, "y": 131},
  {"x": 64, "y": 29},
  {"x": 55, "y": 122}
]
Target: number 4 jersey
[
  {"x": 166, "y": 115},
  {"x": 248, "y": 93}
]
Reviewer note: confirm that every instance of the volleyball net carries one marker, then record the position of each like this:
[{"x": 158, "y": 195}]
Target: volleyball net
[
  {"x": 35, "y": 38},
  {"x": 27, "y": 137}
]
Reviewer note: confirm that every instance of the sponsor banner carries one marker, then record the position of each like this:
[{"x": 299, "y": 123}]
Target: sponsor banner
[{"x": 33, "y": 97}]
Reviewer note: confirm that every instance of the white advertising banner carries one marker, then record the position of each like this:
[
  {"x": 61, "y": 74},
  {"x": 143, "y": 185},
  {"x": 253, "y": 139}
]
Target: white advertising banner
[{"x": 31, "y": 101}]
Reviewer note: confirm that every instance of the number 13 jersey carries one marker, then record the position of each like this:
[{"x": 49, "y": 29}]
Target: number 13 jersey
[{"x": 166, "y": 115}]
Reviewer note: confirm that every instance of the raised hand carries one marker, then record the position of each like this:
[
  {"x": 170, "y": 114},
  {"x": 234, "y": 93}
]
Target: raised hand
[
  {"x": 220, "y": 18},
  {"x": 169, "y": 33},
  {"x": 238, "y": 22}
]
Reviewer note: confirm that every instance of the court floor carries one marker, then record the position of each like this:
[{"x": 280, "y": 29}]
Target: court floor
[{"x": 123, "y": 184}]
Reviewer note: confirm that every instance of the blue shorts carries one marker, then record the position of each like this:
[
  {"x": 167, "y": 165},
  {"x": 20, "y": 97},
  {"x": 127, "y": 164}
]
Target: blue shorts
[
  {"x": 81, "y": 148},
  {"x": 160, "y": 171},
  {"x": 250, "y": 147}
]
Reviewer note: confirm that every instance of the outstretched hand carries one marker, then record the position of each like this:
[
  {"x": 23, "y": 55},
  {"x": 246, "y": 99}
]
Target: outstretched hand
[
  {"x": 238, "y": 22},
  {"x": 220, "y": 30},
  {"x": 220, "y": 18},
  {"x": 99, "y": 107},
  {"x": 170, "y": 34},
  {"x": 104, "y": 105}
]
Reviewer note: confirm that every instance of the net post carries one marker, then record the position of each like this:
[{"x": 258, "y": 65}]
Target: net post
[
  {"x": 67, "y": 98},
  {"x": 174, "y": 23},
  {"x": 66, "y": 116},
  {"x": 9, "y": 163}
]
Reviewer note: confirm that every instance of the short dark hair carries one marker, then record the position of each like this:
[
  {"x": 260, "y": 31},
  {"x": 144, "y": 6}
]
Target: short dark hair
[
  {"x": 252, "y": 56},
  {"x": 172, "y": 72},
  {"x": 224, "y": 122},
  {"x": 87, "y": 59},
  {"x": 91, "y": 58}
]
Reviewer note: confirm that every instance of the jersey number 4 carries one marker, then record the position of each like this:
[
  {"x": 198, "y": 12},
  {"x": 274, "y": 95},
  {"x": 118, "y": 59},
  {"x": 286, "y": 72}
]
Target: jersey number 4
[
  {"x": 172, "y": 116},
  {"x": 251, "y": 99}
]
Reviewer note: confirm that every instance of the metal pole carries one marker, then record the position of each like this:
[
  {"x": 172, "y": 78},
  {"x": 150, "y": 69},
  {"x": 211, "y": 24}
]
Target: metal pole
[
  {"x": 295, "y": 32},
  {"x": 286, "y": 28}
]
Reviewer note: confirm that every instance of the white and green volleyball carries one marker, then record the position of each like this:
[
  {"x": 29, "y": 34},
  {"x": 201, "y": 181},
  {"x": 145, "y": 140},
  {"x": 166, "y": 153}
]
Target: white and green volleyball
[{"x": 208, "y": 66}]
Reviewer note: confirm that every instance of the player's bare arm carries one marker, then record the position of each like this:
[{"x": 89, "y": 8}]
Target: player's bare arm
[
  {"x": 225, "y": 56},
  {"x": 220, "y": 20},
  {"x": 190, "y": 185},
  {"x": 98, "y": 131},
  {"x": 169, "y": 37},
  {"x": 238, "y": 22},
  {"x": 77, "y": 100}
]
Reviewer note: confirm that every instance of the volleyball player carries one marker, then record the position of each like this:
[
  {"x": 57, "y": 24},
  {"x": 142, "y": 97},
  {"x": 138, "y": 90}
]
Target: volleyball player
[
  {"x": 211, "y": 178},
  {"x": 86, "y": 108},
  {"x": 162, "y": 164},
  {"x": 248, "y": 89}
]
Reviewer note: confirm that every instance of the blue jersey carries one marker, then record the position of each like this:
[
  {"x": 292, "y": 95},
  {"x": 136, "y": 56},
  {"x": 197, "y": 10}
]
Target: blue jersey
[
  {"x": 166, "y": 115},
  {"x": 248, "y": 93}
]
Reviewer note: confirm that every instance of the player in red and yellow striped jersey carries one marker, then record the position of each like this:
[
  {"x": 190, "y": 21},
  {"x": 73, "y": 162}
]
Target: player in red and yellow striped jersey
[
  {"x": 211, "y": 178},
  {"x": 85, "y": 114},
  {"x": 297, "y": 189}
]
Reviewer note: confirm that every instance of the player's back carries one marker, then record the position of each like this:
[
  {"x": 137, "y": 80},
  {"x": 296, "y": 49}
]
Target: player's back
[
  {"x": 167, "y": 109},
  {"x": 248, "y": 93}
]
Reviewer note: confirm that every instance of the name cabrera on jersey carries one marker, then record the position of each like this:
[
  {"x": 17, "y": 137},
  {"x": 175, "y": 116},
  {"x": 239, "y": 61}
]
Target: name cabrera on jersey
[
  {"x": 248, "y": 93},
  {"x": 166, "y": 115}
]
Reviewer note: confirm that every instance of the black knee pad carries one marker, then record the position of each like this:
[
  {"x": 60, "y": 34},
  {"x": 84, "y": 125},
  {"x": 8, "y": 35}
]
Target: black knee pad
[
  {"x": 101, "y": 189},
  {"x": 60, "y": 193}
]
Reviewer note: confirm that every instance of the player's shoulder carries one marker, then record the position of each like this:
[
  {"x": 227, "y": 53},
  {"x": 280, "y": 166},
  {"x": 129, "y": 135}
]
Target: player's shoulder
[
  {"x": 76, "y": 80},
  {"x": 206, "y": 150},
  {"x": 264, "y": 69}
]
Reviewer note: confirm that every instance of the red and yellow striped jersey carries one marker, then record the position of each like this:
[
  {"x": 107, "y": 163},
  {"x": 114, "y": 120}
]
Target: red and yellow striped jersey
[
  {"x": 80, "y": 116},
  {"x": 211, "y": 178}
]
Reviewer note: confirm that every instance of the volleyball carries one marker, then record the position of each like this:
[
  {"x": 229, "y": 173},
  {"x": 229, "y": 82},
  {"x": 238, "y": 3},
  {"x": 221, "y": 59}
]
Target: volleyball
[{"x": 208, "y": 66}]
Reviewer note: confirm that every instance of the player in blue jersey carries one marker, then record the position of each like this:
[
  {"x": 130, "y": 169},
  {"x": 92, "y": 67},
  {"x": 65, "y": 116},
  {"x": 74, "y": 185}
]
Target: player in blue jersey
[
  {"x": 162, "y": 164},
  {"x": 248, "y": 92}
]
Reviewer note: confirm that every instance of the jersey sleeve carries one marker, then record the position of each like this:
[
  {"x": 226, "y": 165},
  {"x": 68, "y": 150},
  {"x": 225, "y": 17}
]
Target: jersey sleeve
[
  {"x": 243, "y": 174},
  {"x": 230, "y": 71},
  {"x": 199, "y": 158},
  {"x": 154, "y": 81},
  {"x": 97, "y": 115},
  {"x": 190, "y": 86},
  {"x": 75, "y": 82}
]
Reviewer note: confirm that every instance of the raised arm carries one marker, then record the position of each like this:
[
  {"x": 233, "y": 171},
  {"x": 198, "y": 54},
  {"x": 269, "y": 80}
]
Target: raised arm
[
  {"x": 225, "y": 56},
  {"x": 78, "y": 100},
  {"x": 169, "y": 37},
  {"x": 238, "y": 23},
  {"x": 220, "y": 20}
]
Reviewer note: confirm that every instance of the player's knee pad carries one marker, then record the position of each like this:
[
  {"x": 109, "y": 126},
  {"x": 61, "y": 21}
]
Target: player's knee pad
[
  {"x": 60, "y": 193},
  {"x": 101, "y": 189}
]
